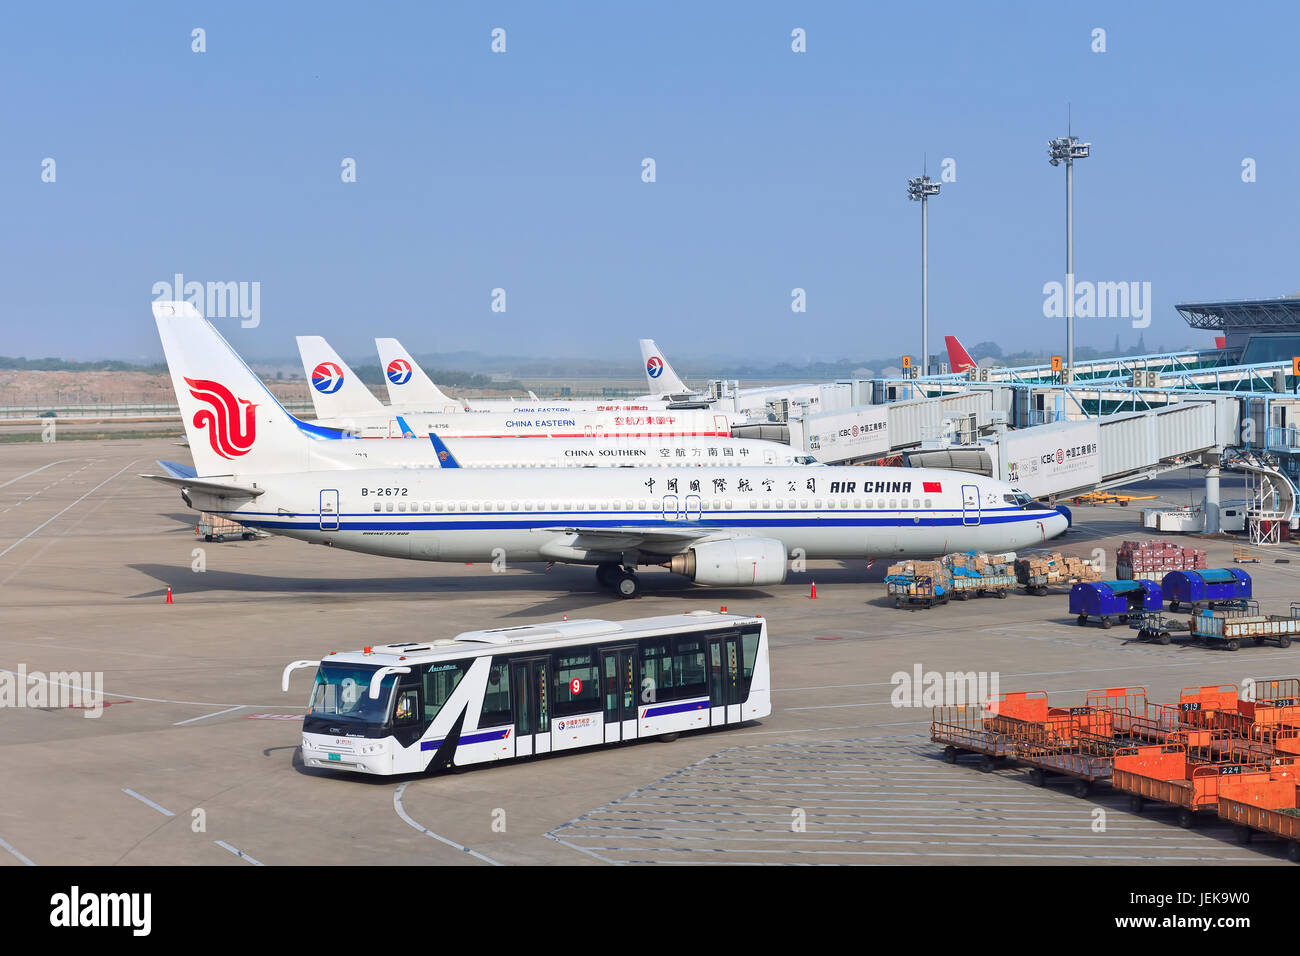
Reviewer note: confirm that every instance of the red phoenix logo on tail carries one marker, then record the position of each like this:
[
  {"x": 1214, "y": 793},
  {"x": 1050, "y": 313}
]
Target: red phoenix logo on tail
[{"x": 230, "y": 438}]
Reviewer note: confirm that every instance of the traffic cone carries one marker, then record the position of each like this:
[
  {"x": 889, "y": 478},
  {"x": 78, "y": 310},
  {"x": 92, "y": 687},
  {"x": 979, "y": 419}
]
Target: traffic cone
[
  {"x": 169, "y": 597},
  {"x": 723, "y": 609},
  {"x": 813, "y": 595}
]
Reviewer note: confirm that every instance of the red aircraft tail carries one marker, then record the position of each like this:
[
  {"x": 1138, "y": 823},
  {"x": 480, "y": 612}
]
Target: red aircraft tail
[
  {"x": 959, "y": 359},
  {"x": 1220, "y": 341}
]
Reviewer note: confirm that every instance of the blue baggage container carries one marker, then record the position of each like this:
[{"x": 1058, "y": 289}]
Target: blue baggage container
[
  {"x": 1206, "y": 588},
  {"x": 1106, "y": 599}
]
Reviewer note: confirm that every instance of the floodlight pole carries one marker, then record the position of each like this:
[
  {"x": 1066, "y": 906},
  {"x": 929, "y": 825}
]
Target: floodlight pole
[
  {"x": 1067, "y": 149},
  {"x": 922, "y": 188}
]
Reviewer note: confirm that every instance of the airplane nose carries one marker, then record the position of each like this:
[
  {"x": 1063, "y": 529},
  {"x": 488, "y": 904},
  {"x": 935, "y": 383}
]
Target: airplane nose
[{"x": 1056, "y": 524}]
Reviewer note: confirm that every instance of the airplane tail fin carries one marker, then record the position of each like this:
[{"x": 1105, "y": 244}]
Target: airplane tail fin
[
  {"x": 336, "y": 391},
  {"x": 235, "y": 426},
  {"x": 445, "y": 458},
  {"x": 663, "y": 380},
  {"x": 1220, "y": 341},
  {"x": 959, "y": 359},
  {"x": 408, "y": 385}
]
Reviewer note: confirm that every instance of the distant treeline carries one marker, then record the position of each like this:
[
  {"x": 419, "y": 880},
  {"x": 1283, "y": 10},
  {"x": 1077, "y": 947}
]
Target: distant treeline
[{"x": 63, "y": 365}]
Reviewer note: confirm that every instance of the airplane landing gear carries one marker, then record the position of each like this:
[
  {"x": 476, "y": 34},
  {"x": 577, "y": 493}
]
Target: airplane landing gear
[{"x": 622, "y": 581}]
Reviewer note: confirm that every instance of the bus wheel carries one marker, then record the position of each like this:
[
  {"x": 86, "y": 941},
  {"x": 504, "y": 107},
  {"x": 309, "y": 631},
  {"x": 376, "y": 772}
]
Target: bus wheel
[
  {"x": 627, "y": 585},
  {"x": 668, "y": 738}
]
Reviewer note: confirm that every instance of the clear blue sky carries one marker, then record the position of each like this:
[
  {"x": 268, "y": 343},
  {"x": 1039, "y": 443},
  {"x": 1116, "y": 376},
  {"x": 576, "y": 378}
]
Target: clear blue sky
[{"x": 523, "y": 171}]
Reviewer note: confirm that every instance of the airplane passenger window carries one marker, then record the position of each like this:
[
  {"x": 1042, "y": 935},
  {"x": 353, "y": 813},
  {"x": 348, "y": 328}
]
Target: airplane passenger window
[
  {"x": 830, "y": 503},
  {"x": 779, "y": 504},
  {"x": 880, "y": 503},
  {"x": 401, "y": 506},
  {"x": 817, "y": 504},
  {"x": 717, "y": 505},
  {"x": 514, "y": 506},
  {"x": 791, "y": 505},
  {"x": 640, "y": 505},
  {"x": 928, "y": 504},
  {"x": 464, "y": 506},
  {"x": 378, "y": 506},
  {"x": 727, "y": 505},
  {"x": 803, "y": 504},
  {"x": 390, "y": 506},
  {"x": 618, "y": 505},
  {"x": 893, "y": 504},
  {"x": 753, "y": 504}
]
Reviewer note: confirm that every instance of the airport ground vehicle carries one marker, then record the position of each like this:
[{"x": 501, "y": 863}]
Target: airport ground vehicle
[
  {"x": 212, "y": 527},
  {"x": 915, "y": 591},
  {"x": 1106, "y": 599},
  {"x": 1167, "y": 774},
  {"x": 1208, "y": 588},
  {"x": 1229, "y": 627},
  {"x": 1270, "y": 807},
  {"x": 511, "y": 692}
]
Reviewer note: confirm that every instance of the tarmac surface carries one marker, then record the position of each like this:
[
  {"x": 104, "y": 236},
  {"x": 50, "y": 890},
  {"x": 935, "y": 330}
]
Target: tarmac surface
[{"x": 194, "y": 759}]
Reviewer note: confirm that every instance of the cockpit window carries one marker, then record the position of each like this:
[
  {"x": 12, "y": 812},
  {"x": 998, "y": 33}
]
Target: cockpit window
[{"x": 1018, "y": 498}]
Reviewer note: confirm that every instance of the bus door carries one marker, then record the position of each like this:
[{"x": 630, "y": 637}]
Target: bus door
[
  {"x": 970, "y": 505},
  {"x": 618, "y": 678},
  {"x": 530, "y": 698},
  {"x": 329, "y": 509},
  {"x": 724, "y": 680}
]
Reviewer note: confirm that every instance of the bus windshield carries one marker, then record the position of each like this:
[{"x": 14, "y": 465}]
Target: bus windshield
[{"x": 342, "y": 692}]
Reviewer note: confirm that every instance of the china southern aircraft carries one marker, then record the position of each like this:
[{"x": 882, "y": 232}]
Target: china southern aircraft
[
  {"x": 665, "y": 383},
  {"x": 716, "y": 526}
]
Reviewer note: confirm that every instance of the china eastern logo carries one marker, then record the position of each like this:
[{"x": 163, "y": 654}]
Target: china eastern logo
[
  {"x": 399, "y": 371},
  {"x": 655, "y": 367},
  {"x": 327, "y": 378},
  {"x": 229, "y": 436}
]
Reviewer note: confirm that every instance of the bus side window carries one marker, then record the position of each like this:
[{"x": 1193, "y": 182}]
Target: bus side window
[{"x": 496, "y": 698}]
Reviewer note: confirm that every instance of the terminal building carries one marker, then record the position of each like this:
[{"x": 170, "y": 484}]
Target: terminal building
[{"x": 1254, "y": 331}]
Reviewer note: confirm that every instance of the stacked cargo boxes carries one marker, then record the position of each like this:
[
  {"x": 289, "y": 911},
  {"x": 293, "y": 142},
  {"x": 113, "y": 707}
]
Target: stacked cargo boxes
[
  {"x": 1039, "y": 571},
  {"x": 1154, "y": 559},
  {"x": 974, "y": 572},
  {"x": 918, "y": 583}
]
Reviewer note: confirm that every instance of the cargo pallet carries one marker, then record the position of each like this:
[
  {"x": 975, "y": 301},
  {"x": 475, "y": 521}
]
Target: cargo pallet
[
  {"x": 916, "y": 593},
  {"x": 961, "y": 727},
  {"x": 995, "y": 585},
  {"x": 217, "y": 528},
  {"x": 1230, "y": 629},
  {"x": 1167, "y": 774}
]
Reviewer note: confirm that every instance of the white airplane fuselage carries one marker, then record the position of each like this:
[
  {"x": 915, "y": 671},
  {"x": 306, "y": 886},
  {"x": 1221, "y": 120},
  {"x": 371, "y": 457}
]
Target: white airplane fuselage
[{"x": 522, "y": 514}]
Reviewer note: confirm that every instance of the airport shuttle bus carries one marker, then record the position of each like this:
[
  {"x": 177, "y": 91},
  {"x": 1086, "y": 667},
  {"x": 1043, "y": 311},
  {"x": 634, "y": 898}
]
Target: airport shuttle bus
[{"x": 514, "y": 692}]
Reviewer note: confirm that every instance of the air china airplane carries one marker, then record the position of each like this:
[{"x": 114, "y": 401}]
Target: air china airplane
[
  {"x": 716, "y": 526},
  {"x": 665, "y": 384}
]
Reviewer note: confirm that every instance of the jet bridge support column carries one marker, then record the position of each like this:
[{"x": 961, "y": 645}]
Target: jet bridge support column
[{"x": 1211, "y": 460}]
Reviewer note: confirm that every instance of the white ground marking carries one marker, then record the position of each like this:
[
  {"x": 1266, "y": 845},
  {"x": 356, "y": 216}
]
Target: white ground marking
[
  {"x": 406, "y": 818},
  {"x": 10, "y": 847},
  {"x": 238, "y": 852},
  {"x": 68, "y": 508},
  {"x": 181, "y": 723},
  {"x": 148, "y": 802}
]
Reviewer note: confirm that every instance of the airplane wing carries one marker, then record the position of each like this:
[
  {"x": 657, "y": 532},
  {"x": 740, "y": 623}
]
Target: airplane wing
[
  {"x": 218, "y": 489},
  {"x": 667, "y": 540}
]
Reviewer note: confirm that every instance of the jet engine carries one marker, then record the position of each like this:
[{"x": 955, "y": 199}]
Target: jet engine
[{"x": 737, "y": 561}]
